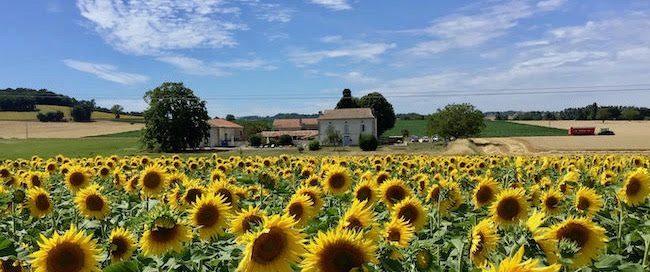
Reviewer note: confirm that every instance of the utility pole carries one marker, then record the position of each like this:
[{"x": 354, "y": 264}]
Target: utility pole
[{"x": 26, "y": 130}]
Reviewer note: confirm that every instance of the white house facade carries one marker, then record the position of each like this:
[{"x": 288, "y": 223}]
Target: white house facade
[
  {"x": 349, "y": 123},
  {"x": 224, "y": 133}
]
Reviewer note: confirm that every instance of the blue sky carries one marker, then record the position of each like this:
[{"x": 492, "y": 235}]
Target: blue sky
[{"x": 249, "y": 57}]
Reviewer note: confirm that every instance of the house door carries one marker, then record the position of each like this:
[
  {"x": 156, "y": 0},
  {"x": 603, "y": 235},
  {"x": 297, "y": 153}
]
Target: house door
[{"x": 346, "y": 140}]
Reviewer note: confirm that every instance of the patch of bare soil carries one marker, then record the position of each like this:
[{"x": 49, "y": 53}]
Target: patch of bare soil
[{"x": 21, "y": 130}]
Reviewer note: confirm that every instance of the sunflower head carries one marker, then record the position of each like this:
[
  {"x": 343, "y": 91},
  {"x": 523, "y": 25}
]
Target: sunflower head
[
  {"x": 399, "y": 232},
  {"x": 483, "y": 240},
  {"x": 314, "y": 194},
  {"x": 485, "y": 192},
  {"x": 300, "y": 208},
  {"x": 246, "y": 221},
  {"x": 366, "y": 191},
  {"x": 122, "y": 244},
  {"x": 91, "y": 203},
  {"x": 337, "y": 180},
  {"x": 510, "y": 206},
  {"x": 585, "y": 237},
  {"x": 72, "y": 251},
  {"x": 153, "y": 181},
  {"x": 39, "y": 202},
  {"x": 209, "y": 214},
  {"x": 165, "y": 233},
  {"x": 636, "y": 187},
  {"x": 274, "y": 247},
  {"x": 516, "y": 263},
  {"x": 551, "y": 202},
  {"x": 393, "y": 191},
  {"x": 411, "y": 211},
  {"x": 339, "y": 251},
  {"x": 359, "y": 218},
  {"x": 77, "y": 178},
  {"x": 588, "y": 201}
]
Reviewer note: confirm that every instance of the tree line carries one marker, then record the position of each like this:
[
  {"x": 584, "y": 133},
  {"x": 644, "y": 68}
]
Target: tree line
[{"x": 589, "y": 112}]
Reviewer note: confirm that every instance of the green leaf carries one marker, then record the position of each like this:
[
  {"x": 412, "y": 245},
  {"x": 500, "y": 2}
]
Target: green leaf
[
  {"x": 7, "y": 247},
  {"x": 608, "y": 261},
  {"x": 631, "y": 267},
  {"x": 123, "y": 267}
]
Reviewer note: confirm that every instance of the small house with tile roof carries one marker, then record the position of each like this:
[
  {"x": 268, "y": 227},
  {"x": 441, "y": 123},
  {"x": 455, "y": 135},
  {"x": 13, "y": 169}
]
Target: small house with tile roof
[
  {"x": 349, "y": 123},
  {"x": 224, "y": 133}
]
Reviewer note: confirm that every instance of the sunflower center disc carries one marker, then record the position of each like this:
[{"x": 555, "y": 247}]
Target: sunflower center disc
[
  {"x": 94, "y": 203},
  {"x": 151, "y": 180},
  {"x": 65, "y": 257},
  {"x": 363, "y": 194},
  {"x": 337, "y": 181},
  {"x": 550, "y": 202},
  {"x": 583, "y": 203},
  {"x": 207, "y": 216},
  {"x": 163, "y": 235},
  {"x": 394, "y": 235},
  {"x": 484, "y": 194},
  {"x": 395, "y": 194},
  {"x": 42, "y": 203},
  {"x": 8, "y": 266},
  {"x": 633, "y": 187},
  {"x": 226, "y": 195},
  {"x": 341, "y": 257},
  {"x": 409, "y": 213},
  {"x": 192, "y": 195},
  {"x": 121, "y": 247},
  {"x": 508, "y": 209},
  {"x": 268, "y": 246},
  {"x": 577, "y": 233},
  {"x": 249, "y": 221},
  {"x": 76, "y": 179},
  {"x": 296, "y": 210}
]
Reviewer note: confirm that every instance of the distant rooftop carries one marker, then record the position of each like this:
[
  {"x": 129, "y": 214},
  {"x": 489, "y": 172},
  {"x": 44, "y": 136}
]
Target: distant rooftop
[
  {"x": 355, "y": 113},
  {"x": 223, "y": 123}
]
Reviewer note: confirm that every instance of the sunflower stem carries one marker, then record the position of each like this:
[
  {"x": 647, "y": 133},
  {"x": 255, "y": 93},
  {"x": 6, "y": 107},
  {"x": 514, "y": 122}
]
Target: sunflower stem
[
  {"x": 621, "y": 210},
  {"x": 460, "y": 257},
  {"x": 646, "y": 243}
]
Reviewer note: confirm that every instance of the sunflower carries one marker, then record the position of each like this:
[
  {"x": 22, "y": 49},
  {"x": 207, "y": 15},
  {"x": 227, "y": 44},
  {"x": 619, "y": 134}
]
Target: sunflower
[
  {"x": 37, "y": 179},
  {"x": 177, "y": 178},
  {"x": 209, "y": 214},
  {"x": 300, "y": 209},
  {"x": 411, "y": 210},
  {"x": 77, "y": 178},
  {"x": 91, "y": 203},
  {"x": 398, "y": 232},
  {"x": 509, "y": 207},
  {"x": 483, "y": 240},
  {"x": 153, "y": 181},
  {"x": 74, "y": 251},
  {"x": 275, "y": 247},
  {"x": 485, "y": 192},
  {"x": 551, "y": 202},
  {"x": 587, "y": 237},
  {"x": 338, "y": 251},
  {"x": 445, "y": 196},
  {"x": 358, "y": 217},
  {"x": 39, "y": 203},
  {"x": 165, "y": 234},
  {"x": 314, "y": 194},
  {"x": 312, "y": 180},
  {"x": 393, "y": 191},
  {"x": 636, "y": 188},
  {"x": 381, "y": 177},
  {"x": 119, "y": 179},
  {"x": 515, "y": 263},
  {"x": 227, "y": 191},
  {"x": 588, "y": 201},
  {"x": 337, "y": 180},
  {"x": 365, "y": 191},
  {"x": 245, "y": 220},
  {"x": 122, "y": 244},
  {"x": 193, "y": 190}
]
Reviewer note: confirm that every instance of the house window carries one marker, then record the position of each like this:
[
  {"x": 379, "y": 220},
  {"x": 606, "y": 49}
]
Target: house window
[
  {"x": 346, "y": 129},
  {"x": 363, "y": 127}
]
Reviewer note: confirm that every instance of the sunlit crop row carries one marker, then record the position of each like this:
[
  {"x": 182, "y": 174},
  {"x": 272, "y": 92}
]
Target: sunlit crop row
[{"x": 299, "y": 213}]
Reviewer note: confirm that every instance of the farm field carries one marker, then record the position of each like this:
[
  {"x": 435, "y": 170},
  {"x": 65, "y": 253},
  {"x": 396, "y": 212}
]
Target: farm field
[
  {"x": 329, "y": 213},
  {"x": 31, "y": 115},
  {"x": 17, "y": 129},
  {"x": 492, "y": 129}
]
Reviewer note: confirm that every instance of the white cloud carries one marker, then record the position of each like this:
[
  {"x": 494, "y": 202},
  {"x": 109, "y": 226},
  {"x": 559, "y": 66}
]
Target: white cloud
[
  {"x": 333, "y": 4},
  {"x": 356, "y": 50},
  {"x": 351, "y": 77},
  {"x": 53, "y": 7},
  {"x": 198, "y": 67},
  {"x": 551, "y": 4},
  {"x": 272, "y": 12},
  {"x": 466, "y": 30},
  {"x": 106, "y": 71},
  {"x": 155, "y": 26}
]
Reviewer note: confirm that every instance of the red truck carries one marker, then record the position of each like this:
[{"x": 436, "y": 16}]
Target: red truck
[{"x": 582, "y": 131}]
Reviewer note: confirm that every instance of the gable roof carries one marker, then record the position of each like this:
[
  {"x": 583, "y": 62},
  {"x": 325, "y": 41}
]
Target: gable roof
[
  {"x": 355, "y": 113},
  {"x": 286, "y": 124},
  {"x": 310, "y": 121},
  {"x": 223, "y": 123}
]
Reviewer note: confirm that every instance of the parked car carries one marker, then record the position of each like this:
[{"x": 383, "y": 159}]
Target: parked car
[
  {"x": 606, "y": 131},
  {"x": 424, "y": 139},
  {"x": 414, "y": 138},
  {"x": 435, "y": 138}
]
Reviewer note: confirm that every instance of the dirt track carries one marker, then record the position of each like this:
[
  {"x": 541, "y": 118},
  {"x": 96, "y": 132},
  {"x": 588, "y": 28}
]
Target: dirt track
[
  {"x": 18, "y": 129},
  {"x": 631, "y": 136}
]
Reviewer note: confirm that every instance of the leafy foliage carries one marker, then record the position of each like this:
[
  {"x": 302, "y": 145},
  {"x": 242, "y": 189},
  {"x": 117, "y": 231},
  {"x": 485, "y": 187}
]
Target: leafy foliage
[
  {"x": 83, "y": 111},
  {"x": 285, "y": 140},
  {"x": 456, "y": 120},
  {"x": 347, "y": 101},
  {"x": 333, "y": 136},
  {"x": 368, "y": 142},
  {"x": 50, "y": 116},
  {"x": 313, "y": 145},
  {"x": 381, "y": 108},
  {"x": 255, "y": 140},
  {"x": 175, "y": 119}
]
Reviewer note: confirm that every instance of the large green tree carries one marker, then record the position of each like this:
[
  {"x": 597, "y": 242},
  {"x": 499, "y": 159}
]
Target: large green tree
[
  {"x": 630, "y": 113},
  {"x": 456, "y": 120},
  {"x": 175, "y": 119},
  {"x": 347, "y": 101},
  {"x": 381, "y": 108}
]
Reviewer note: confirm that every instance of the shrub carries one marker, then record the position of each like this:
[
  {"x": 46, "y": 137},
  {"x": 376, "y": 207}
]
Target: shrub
[
  {"x": 50, "y": 116},
  {"x": 313, "y": 145},
  {"x": 82, "y": 112},
  {"x": 255, "y": 140},
  {"x": 285, "y": 140},
  {"x": 368, "y": 142}
]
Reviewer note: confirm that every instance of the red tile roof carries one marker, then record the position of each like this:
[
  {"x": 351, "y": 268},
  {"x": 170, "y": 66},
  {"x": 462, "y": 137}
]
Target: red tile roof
[
  {"x": 304, "y": 134},
  {"x": 287, "y": 124},
  {"x": 223, "y": 123}
]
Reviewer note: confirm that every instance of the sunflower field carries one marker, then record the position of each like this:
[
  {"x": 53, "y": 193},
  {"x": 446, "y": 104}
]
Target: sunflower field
[{"x": 302, "y": 213}]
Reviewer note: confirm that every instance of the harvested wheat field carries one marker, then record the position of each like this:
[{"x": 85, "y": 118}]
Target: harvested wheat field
[{"x": 18, "y": 129}]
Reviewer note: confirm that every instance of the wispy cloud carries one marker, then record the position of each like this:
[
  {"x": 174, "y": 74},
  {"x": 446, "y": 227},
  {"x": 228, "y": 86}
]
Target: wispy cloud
[
  {"x": 333, "y": 4},
  {"x": 466, "y": 29},
  {"x": 198, "y": 67},
  {"x": 106, "y": 71},
  {"x": 356, "y": 51},
  {"x": 152, "y": 27},
  {"x": 53, "y": 7},
  {"x": 271, "y": 12}
]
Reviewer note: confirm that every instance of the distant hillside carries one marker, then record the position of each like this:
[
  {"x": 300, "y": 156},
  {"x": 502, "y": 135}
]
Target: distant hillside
[
  {"x": 24, "y": 104},
  {"x": 277, "y": 116}
]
